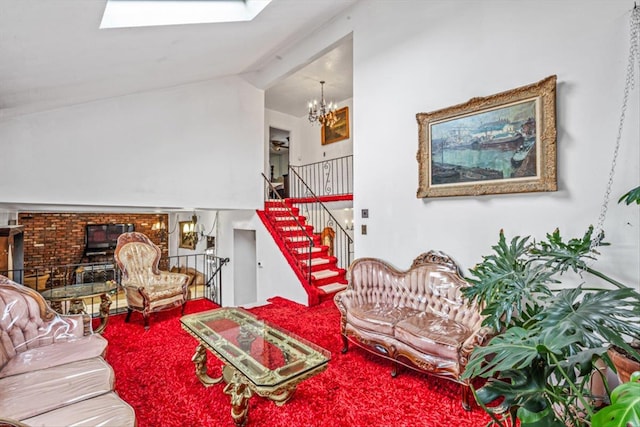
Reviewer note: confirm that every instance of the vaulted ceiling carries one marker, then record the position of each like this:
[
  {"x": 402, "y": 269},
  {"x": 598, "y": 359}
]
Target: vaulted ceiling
[{"x": 53, "y": 54}]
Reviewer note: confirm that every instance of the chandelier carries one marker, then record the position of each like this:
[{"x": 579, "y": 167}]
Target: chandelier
[{"x": 322, "y": 113}]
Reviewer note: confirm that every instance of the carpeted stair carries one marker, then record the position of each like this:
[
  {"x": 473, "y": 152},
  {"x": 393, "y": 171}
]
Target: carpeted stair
[{"x": 291, "y": 233}]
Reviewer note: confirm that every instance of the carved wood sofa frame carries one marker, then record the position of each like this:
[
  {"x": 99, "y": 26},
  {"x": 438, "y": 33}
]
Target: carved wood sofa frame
[{"x": 417, "y": 318}]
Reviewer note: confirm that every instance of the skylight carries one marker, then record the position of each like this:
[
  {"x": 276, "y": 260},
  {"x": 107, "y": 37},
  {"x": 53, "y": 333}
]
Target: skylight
[{"x": 147, "y": 13}]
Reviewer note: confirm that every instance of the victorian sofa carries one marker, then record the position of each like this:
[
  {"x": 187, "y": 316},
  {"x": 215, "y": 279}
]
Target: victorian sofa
[
  {"x": 52, "y": 372},
  {"x": 417, "y": 318}
]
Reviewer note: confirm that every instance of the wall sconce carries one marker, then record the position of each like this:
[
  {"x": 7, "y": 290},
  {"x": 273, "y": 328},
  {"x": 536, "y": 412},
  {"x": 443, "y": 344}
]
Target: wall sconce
[
  {"x": 160, "y": 228},
  {"x": 192, "y": 232}
]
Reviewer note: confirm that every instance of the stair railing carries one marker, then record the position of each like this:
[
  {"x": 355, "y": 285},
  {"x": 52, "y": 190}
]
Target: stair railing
[
  {"x": 271, "y": 195},
  {"x": 320, "y": 217},
  {"x": 208, "y": 264},
  {"x": 331, "y": 177}
]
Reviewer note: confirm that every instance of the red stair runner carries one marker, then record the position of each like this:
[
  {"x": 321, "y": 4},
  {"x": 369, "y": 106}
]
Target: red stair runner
[{"x": 287, "y": 227}]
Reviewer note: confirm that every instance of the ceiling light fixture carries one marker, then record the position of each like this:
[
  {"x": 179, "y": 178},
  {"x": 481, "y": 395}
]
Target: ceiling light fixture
[{"x": 322, "y": 113}]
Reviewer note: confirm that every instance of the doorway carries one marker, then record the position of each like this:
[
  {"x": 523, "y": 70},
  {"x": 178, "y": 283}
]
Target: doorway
[
  {"x": 245, "y": 285},
  {"x": 279, "y": 160}
]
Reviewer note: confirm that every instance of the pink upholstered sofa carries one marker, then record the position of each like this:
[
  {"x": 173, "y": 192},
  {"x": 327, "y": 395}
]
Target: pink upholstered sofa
[
  {"x": 417, "y": 317},
  {"x": 52, "y": 372}
]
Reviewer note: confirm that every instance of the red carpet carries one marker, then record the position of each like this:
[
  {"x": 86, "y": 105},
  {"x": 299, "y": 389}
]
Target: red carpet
[{"x": 154, "y": 373}]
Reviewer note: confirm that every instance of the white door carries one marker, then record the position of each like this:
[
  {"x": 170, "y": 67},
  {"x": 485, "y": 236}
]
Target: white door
[{"x": 245, "y": 289}]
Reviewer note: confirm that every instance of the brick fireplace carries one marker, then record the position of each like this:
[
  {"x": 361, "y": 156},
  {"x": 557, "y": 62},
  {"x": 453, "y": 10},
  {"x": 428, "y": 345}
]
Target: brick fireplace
[{"x": 59, "y": 238}]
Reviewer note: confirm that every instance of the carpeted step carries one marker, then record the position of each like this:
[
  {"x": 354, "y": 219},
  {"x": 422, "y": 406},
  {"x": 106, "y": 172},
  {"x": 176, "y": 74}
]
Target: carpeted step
[
  {"x": 306, "y": 249},
  {"x": 319, "y": 261},
  {"x": 303, "y": 244},
  {"x": 296, "y": 239},
  {"x": 316, "y": 252},
  {"x": 276, "y": 203},
  {"x": 301, "y": 232},
  {"x": 293, "y": 229},
  {"x": 281, "y": 211},
  {"x": 299, "y": 241},
  {"x": 332, "y": 287},
  {"x": 330, "y": 292},
  {"x": 288, "y": 220},
  {"x": 318, "y": 264},
  {"x": 323, "y": 277},
  {"x": 324, "y": 274}
]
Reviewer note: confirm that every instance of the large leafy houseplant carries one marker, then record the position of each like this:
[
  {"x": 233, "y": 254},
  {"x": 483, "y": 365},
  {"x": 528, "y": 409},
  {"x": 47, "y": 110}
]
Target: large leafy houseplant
[{"x": 539, "y": 368}]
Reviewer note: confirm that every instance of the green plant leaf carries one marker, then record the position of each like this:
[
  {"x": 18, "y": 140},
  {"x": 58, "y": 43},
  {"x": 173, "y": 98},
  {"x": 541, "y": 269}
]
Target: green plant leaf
[
  {"x": 522, "y": 393},
  {"x": 507, "y": 284},
  {"x": 513, "y": 388},
  {"x": 545, "y": 418},
  {"x": 554, "y": 252},
  {"x": 631, "y": 196},
  {"x": 594, "y": 318},
  {"x": 625, "y": 406},
  {"x": 515, "y": 348}
]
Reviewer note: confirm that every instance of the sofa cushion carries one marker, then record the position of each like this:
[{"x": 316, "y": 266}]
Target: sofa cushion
[
  {"x": 376, "y": 317},
  {"x": 106, "y": 410},
  {"x": 432, "y": 334},
  {"x": 61, "y": 353},
  {"x": 33, "y": 393}
]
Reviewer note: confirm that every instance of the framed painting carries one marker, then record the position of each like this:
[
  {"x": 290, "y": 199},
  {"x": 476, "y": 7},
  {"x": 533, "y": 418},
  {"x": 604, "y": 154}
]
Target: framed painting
[
  {"x": 187, "y": 236},
  {"x": 503, "y": 143},
  {"x": 339, "y": 130}
]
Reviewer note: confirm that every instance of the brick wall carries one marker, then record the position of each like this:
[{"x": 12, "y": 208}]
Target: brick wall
[{"x": 58, "y": 238}]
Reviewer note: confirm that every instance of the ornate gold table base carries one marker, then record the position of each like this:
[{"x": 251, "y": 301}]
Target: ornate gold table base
[
  {"x": 77, "y": 306},
  {"x": 239, "y": 387}
]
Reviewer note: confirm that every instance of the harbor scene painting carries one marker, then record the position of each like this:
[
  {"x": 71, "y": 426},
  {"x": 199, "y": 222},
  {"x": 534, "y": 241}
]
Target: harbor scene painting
[
  {"x": 501, "y": 143},
  {"x": 495, "y": 144}
]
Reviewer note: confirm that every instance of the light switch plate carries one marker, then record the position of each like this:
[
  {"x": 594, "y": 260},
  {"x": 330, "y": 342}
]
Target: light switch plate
[
  {"x": 363, "y": 229},
  {"x": 365, "y": 213}
]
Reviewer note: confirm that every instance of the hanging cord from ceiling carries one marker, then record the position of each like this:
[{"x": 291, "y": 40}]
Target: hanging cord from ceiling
[
  {"x": 213, "y": 226},
  {"x": 175, "y": 226},
  {"x": 634, "y": 43}
]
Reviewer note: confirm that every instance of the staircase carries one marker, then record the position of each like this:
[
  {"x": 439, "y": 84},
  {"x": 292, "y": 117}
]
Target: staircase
[{"x": 301, "y": 246}]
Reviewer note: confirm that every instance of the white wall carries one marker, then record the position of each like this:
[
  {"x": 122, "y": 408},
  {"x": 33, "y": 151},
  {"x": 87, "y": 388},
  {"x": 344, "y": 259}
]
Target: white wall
[
  {"x": 193, "y": 146},
  {"x": 416, "y": 56}
]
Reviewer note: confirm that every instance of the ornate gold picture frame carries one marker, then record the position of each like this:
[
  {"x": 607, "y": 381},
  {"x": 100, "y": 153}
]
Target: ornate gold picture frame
[
  {"x": 339, "y": 130},
  {"x": 502, "y": 143}
]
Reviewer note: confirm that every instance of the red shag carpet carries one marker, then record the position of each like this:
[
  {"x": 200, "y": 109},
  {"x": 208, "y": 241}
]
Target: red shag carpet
[{"x": 154, "y": 373}]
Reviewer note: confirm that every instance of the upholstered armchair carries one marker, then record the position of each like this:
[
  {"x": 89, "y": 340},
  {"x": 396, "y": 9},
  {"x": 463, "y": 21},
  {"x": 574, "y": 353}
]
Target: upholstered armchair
[{"x": 147, "y": 289}]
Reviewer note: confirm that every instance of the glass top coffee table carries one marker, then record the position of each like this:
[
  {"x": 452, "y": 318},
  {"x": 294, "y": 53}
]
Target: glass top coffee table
[
  {"x": 76, "y": 294},
  {"x": 258, "y": 357}
]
